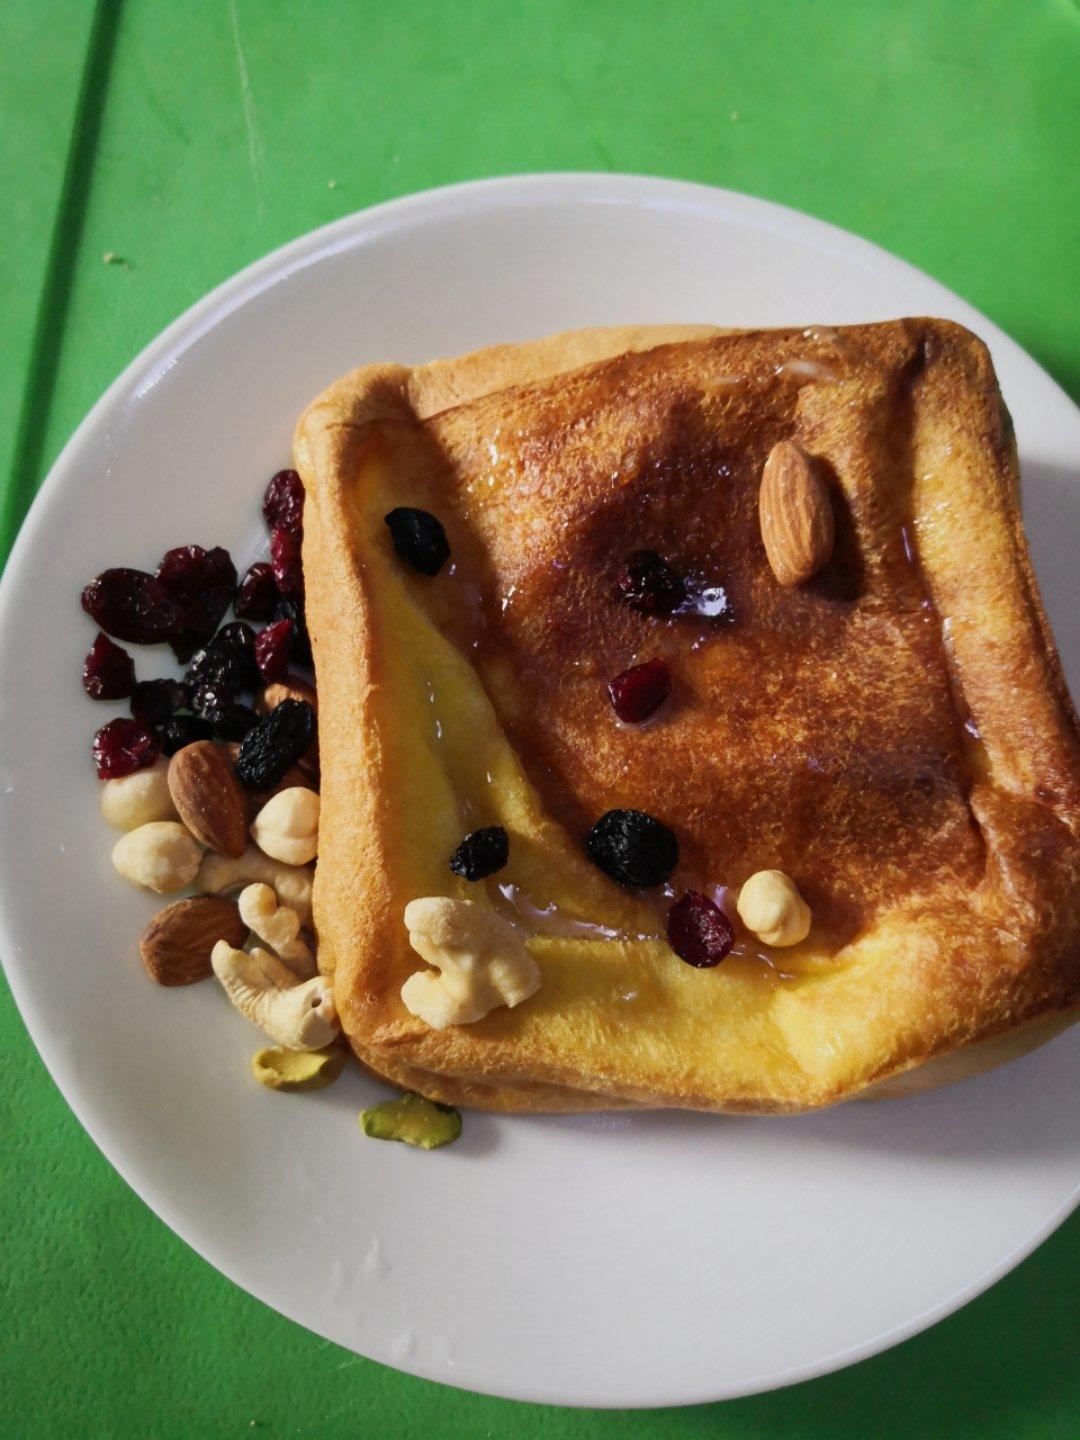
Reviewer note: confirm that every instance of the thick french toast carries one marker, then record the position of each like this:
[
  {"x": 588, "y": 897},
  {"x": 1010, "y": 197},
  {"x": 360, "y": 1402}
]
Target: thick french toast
[{"x": 895, "y": 733}]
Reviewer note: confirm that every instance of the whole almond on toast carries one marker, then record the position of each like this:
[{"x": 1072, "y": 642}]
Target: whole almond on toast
[
  {"x": 208, "y": 797},
  {"x": 796, "y": 514},
  {"x": 176, "y": 945}
]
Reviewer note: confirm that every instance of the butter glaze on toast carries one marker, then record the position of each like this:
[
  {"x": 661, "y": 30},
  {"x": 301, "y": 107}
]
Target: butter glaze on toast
[{"x": 895, "y": 734}]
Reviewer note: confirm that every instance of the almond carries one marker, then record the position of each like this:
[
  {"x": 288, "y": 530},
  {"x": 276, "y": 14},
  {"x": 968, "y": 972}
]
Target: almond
[
  {"x": 209, "y": 798},
  {"x": 176, "y": 945},
  {"x": 291, "y": 688},
  {"x": 796, "y": 514}
]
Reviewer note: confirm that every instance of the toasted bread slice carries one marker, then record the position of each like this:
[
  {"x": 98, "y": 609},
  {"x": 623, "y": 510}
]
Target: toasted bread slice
[{"x": 895, "y": 733}]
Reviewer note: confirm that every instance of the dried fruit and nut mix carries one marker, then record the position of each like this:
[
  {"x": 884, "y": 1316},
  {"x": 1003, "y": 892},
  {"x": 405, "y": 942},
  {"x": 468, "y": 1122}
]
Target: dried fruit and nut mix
[
  {"x": 213, "y": 779},
  {"x": 189, "y": 805}
]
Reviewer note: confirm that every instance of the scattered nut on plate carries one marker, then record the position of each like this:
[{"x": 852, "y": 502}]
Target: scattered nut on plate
[
  {"x": 287, "y": 826},
  {"x": 298, "y": 1015},
  {"x": 139, "y": 798},
  {"x": 297, "y": 1070},
  {"x": 160, "y": 856},
  {"x": 176, "y": 945},
  {"x": 221, "y": 875},
  {"x": 208, "y": 797},
  {"x": 414, "y": 1120},
  {"x": 277, "y": 926}
]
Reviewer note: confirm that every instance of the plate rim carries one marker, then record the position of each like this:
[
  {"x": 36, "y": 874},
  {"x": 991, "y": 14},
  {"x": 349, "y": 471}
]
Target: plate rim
[{"x": 346, "y": 233}]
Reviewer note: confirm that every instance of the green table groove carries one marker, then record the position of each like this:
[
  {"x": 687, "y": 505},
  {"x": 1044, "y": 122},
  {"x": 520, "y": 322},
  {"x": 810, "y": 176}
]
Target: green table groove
[{"x": 63, "y": 255}]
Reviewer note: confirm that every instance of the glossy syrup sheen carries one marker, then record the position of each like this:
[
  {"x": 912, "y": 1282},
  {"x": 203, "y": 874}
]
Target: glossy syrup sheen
[{"x": 812, "y": 730}]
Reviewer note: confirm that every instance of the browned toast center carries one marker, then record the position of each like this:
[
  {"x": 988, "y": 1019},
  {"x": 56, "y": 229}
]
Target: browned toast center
[{"x": 811, "y": 729}]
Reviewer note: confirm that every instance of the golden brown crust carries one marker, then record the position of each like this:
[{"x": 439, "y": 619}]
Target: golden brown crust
[{"x": 897, "y": 733}]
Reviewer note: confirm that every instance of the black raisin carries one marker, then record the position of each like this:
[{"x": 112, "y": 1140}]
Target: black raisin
[
  {"x": 481, "y": 853},
  {"x": 228, "y": 660},
  {"x": 155, "y": 700},
  {"x": 419, "y": 539},
  {"x": 233, "y": 721},
  {"x": 276, "y": 742},
  {"x": 633, "y": 848},
  {"x": 184, "y": 730},
  {"x": 208, "y": 699}
]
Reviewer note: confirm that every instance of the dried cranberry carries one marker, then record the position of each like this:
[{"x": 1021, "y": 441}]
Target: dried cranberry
[
  {"x": 481, "y": 853},
  {"x": 257, "y": 595},
  {"x": 123, "y": 746},
  {"x": 189, "y": 570},
  {"x": 290, "y": 609},
  {"x": 131, "y": 605},
  {"x": 228, "y": 660},
  {"x": 283, "y": 503},
  {"x": 646, "y": 582},
  {"x": 194, "y": 578},
  {"x": 108, "y": 671},
  {"x": 273, "y": 648},
  {"x": 285, "y": 562},
  {"x": 275, "y": 743},
  {"x": 698, "y": 931},
  {"x": 640, "y": 691},
  {"x": 419, "y": 539},
  {"x": 184, "y": 730},
  {"x": 199, "y": 619},
  {"x": 201, "y": 584},
  {"x": 633, "y": 848},
  {"x": 153, "y": 701}
]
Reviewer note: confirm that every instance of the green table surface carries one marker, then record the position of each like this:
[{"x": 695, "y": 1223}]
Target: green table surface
[{"x": 191, "y": 138}]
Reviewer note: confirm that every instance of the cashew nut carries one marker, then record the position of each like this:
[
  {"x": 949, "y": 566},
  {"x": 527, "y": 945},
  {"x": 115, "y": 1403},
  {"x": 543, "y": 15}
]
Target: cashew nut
[
  {"x": 139, "y": 798},
  {"x": 287, "y": 826},
  {"x": 277, "y": 926},
  {"x": 161, "y": 856},
  {"x": 773, "y": 909},
  {"x": 220, "y": 875},
  {"x": 297, "y": 1016},
  {"x": 480, "y": 962}
]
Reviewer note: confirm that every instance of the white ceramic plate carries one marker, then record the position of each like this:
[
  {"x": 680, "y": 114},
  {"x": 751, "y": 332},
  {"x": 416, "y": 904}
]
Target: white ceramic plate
[{"x": 619, "y": 1260}]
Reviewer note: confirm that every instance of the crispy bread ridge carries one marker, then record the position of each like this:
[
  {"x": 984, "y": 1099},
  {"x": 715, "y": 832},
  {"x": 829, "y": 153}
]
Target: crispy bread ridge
[{"x": 921, "y": 957}]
